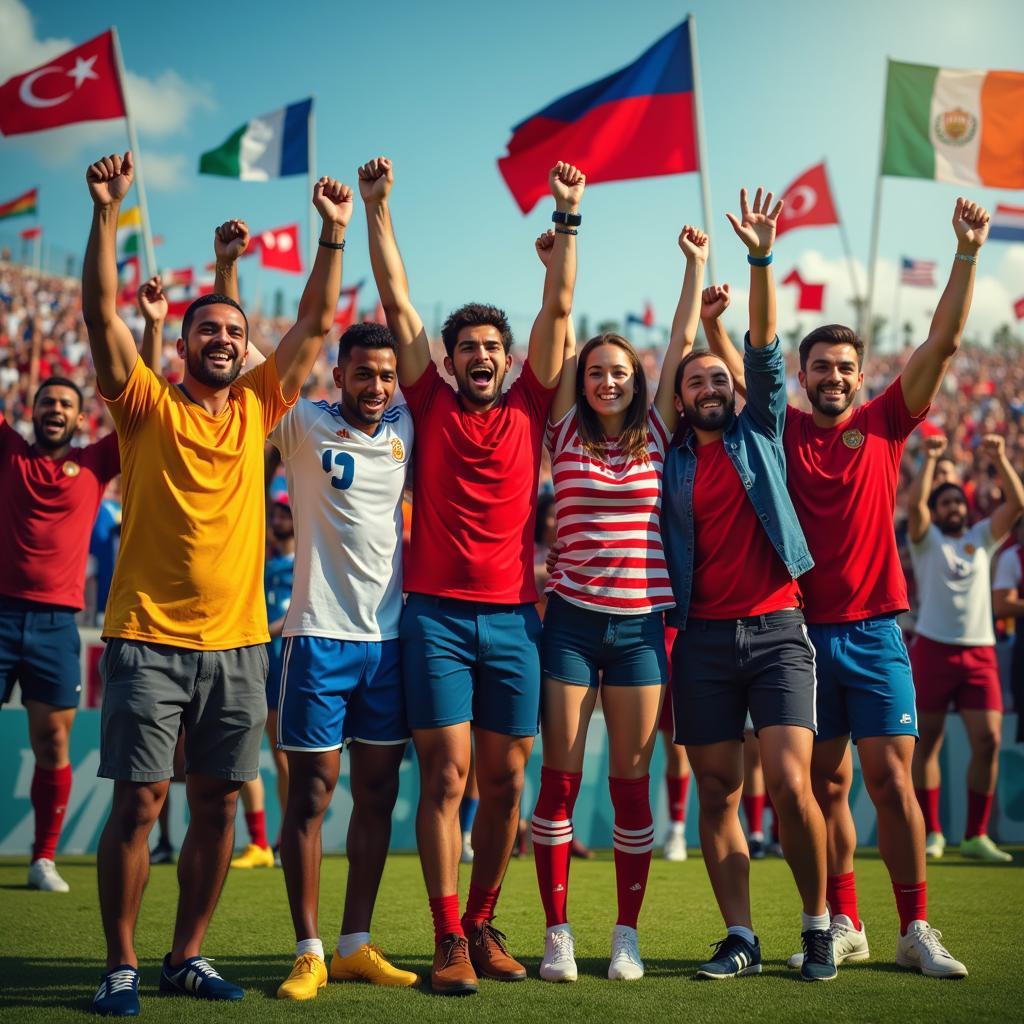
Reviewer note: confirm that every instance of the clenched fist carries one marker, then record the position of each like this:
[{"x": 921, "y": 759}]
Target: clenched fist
[
  {"x": 110, "y": 178},
  {"x": 375, "y": 180},
  {"x": 230, "y": 240}
]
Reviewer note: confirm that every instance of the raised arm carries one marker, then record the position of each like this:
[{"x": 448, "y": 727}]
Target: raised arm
[
  {"x": 230, "y": 241},
  {"x": 756, "y": 230},
  {"x": 994, "y": 445},
  {"x": 299, "y": 347},
  {"x": 153, "y": 307},
  {"x": 113, "y": 347},
  {"x": 565, "y": 396},
  {"x": 918, "y": 515},
  {"x": 927, "y": 366},
  {"x": 694, "y": 244},
  {"x": 547, "y": 338},
  {"x": 375, "y": 181},
  {"x": 714, "y": 301}
]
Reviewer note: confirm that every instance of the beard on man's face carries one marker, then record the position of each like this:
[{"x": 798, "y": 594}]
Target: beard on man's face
[
  {"x": 217, "y": 374},
  {"x": 711, "y": 413}
]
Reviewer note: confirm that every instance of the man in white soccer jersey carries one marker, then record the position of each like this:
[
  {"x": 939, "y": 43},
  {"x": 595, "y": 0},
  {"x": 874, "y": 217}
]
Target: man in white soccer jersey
[{"x": 341, "y": 682}]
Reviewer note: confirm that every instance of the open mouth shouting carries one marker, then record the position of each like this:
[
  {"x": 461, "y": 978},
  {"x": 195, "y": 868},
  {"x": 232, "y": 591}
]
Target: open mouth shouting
[{"x": 482, "y": 375}]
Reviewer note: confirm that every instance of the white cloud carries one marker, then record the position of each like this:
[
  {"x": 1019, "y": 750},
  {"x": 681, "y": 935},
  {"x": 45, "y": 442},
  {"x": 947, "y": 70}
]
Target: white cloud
[{"x": 165, "y": 171}]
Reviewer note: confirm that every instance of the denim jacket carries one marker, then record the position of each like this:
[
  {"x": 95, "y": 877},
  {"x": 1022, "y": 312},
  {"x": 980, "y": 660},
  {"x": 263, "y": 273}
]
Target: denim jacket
[{"x": 753, "y": 442}]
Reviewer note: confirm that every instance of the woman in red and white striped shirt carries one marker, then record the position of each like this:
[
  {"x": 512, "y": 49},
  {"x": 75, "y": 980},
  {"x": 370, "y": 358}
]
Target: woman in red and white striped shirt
[{"x": 603, "y": 626}]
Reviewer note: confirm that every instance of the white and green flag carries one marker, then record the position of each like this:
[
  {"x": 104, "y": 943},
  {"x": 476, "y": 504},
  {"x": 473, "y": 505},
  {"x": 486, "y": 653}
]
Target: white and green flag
[{"x": 272, "y": 146}]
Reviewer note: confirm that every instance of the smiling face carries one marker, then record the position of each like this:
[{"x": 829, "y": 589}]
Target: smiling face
[
  {"x": 367, "y": 378},
  {"x": 216, "y": 345},
  {"x": 56, "y": 415},
  {"x": 479, "y": 363},
  {"x": 832, "y": 378},
  {"x": 608, "y": 380},
  {"x": 706, "y": 396}
]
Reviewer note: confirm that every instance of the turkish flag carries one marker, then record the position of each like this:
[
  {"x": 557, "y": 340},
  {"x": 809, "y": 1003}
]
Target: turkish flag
[
  {"x": 80, "y": 85},
  {"x": 345, "y": 314},
  {"x": 1018, "y": 308},
  {"x": 279, "y": 249},
  {"x": 808, "y": 202},
  {"x": 809, "y": 296}
]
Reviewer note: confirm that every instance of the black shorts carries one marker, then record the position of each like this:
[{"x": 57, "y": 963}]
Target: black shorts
[{"x": 723, "y": 669}]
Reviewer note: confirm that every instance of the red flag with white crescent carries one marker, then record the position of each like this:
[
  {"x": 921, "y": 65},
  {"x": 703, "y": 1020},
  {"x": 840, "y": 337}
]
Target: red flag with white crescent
[
  {"x": 808, "y": 202},
  {"x": 80, "y": 85}
]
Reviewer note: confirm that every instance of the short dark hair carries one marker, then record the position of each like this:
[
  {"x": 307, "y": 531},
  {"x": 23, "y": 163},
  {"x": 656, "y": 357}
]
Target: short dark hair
[
  {"x": 475, "y": 314},
  {"x": 933, "y": 498},
  {"x": 692, "y": 357},
  {"x": 365, "y": 336},
  {"x": 59, "y": 382},
  {"x": 831, "y": 334},
  {"x": 213, "y": 299}
]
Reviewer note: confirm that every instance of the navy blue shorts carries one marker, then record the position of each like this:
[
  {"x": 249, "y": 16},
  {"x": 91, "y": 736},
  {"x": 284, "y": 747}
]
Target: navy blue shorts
[
  {"x": 865, "y": 686},
  {"x": 585, "y": 646},
  {"x": 39, "y": 649},
  {"x": 466, "y": 661},
  {"x": 274, "y": 657}
]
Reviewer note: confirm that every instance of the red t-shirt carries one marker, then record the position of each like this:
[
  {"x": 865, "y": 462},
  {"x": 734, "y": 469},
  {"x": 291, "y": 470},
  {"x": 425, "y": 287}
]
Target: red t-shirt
[
  {"x": 47, "y": 511},
  {"x": 475, "y": 491},
  {"x": 843, "y": 483},
  {"x": 736, "y": 571}
]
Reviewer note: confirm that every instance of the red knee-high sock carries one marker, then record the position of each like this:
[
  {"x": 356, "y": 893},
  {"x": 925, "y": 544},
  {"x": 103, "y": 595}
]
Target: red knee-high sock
[
  {"x": 633, "y": 837},
  {"x": 551, "y": 827},
  {"x": 256, "y": 823},
  {"x": 911, "y": 903},
  {"x": 480, "y": 906},
  {"x": 677, "y": 787},
  {"x": 841, "y": 894},
  {"x": 979, "y": 808},
  {"x": 753, "y": 808},
  {"x": 50, "y": 790},
  {"x": 929, "y": 801},
  {"x": 445, "y": 912}
]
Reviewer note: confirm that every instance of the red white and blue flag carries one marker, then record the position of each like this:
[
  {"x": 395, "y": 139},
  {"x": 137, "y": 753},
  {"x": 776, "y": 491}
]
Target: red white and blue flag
[
  {"x": 638, "y": 122},
  {"x": 920, "y": 273},
  {"x": 1007, "y": 224}
]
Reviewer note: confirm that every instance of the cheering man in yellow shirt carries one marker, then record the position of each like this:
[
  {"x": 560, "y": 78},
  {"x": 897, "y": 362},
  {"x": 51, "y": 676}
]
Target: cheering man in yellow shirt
[{"x": 186, "y": 623}]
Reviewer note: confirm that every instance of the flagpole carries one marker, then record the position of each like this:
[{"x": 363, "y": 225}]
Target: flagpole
[
  {"x": 149, "y": 254},
  {"x": 39, "y": 251},
  {"x": 310, "y": 180},
  {"x": 896, "y": 314},
  {"x": 698, "y": 113},
  {"x": 876, "y": 219},
  {"x": 843, "y": 239}
]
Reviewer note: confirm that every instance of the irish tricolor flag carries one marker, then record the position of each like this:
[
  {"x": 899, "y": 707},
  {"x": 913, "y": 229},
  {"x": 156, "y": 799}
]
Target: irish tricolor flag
[
  {"x": 965, "y": 127},
  {"x": 272, "y": 146}
]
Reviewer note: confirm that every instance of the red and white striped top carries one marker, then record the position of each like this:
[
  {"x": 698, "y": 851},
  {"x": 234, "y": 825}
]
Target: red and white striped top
[{"x": 610, "y": 555}]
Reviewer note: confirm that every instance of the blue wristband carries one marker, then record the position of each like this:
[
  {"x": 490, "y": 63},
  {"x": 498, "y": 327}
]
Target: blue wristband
[{"x": 760, "y": 261}]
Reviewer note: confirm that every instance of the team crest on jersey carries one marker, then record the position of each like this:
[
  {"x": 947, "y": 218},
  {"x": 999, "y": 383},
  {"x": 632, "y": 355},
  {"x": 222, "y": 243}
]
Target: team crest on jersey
[
  {"x": 71, "y": 469},
  {"x": 956, "y": 127},
  {"x": 969, "y": 549},
  {"x": 343, "y": 434},
  {"x": 853, "y": 438},
  {"x": 397, "y": 449}
]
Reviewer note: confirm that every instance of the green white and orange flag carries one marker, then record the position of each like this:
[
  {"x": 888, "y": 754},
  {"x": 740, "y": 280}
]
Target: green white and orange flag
[
  {"x": 129, "y": 234},
  {"x": 22, "y": 206},
  {"x": 965, "y": 127}
]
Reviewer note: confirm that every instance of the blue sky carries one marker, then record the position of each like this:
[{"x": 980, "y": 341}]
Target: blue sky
[{"x": 437, "y": 88}]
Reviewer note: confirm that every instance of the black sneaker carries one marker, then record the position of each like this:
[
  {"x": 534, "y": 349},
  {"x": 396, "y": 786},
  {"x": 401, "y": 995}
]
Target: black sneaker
[
  {"x": 756, "y": 847},
  {"x": 819, "y": 956},
  {"x": 162, "y": 853},
  {"x": 733, "y": 958}
]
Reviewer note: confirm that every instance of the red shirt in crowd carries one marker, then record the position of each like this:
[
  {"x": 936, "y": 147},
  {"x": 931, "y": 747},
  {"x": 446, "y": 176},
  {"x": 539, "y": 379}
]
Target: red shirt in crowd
[
  {"x": 736, "y": 571},
  {"x": 475, "y": 491},
  {"x": 843, "y": 483},
  {"x": 47, "y": 512}
]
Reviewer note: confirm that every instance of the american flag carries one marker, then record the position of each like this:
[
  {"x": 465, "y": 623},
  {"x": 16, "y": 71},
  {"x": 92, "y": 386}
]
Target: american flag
[{"x": 917, "y": 272}]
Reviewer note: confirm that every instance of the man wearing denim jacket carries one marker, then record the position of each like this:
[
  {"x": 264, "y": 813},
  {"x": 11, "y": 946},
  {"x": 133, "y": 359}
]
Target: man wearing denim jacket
[{"x": 735, "y": 548}]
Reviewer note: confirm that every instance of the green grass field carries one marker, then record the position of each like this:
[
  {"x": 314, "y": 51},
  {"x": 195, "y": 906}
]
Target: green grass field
[{"x": 51, "y": 949}]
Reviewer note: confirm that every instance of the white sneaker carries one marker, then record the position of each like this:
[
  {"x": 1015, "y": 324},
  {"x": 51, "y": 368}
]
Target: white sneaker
[
  {"x": 921, "y": 950},
  {"x": 559, "y": 963},
  {"x": 625, "y": 964},
  {"x": 675, "y": 843},
  {"x": 42, "y": 875},
  {"x": 934, "y": 845},
  {"x": 849, "y": 946},
  {"x": 466, "y": 857}
]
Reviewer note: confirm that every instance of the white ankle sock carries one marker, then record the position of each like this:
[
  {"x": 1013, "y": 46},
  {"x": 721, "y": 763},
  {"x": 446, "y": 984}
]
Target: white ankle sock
[
  {"x": 819, "y": 922},
  {"x": 349, "y": 944},
  {"x": 309, "y": 946}
]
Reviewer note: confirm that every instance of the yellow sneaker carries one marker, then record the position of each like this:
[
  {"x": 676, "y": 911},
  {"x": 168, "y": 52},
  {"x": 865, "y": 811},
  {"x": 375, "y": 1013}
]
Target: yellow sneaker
[
  {"x": 254, "y": 856},
  {"x": 308, "y": 976},
  {"x": 368, "y": 963}
]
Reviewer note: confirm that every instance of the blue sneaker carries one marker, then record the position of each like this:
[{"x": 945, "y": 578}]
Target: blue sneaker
[
  {"x": 118, "y": 994},
  {"x": 196, "y": 978},
  {"x": 733, "y": 958},
  {"x": 819, "y": 955}
]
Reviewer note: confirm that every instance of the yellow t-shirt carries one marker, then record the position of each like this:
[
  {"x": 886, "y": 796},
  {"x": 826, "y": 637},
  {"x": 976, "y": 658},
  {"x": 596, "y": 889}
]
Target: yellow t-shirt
[{"x": 190, "y": 569}]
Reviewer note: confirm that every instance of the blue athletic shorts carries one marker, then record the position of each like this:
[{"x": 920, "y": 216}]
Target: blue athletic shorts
[
  {"x": 586, "y": 646},
  {"x": 39, "y": 648},
  {"x": 466, "y": 661},
  {"x": 865, "y": 687},
  {"x": 333, "y": 691},
  {"x": 274, "y": 675}
]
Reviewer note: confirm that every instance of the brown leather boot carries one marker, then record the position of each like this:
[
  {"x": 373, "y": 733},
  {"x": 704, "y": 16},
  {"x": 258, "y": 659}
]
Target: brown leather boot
[
  {"x": 452, "y": 973},
  {"x": 490, "y": 955}
]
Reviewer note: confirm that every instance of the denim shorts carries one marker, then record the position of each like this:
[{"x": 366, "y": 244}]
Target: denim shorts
[{"x": 586, "y": 647}]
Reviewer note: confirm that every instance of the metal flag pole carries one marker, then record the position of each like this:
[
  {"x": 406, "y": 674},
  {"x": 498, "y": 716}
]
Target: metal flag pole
[
  {"x": 311, "y": 177},
  {"x": 698, "y": 113},
  {"x": 867, "y": 328},
  {"x": 148, "y": 253}
]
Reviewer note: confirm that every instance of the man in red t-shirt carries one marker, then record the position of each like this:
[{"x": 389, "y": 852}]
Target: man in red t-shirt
[
  {"x": 52, "y": 492},
  {"x": 843, "y": 469},
  {"x": 470, "y": 630}
]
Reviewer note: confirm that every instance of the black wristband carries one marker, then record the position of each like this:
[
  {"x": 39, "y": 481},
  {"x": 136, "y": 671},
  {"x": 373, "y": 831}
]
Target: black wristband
[
  {"x": 573, "y": 220},
  {"x": 332, "y": 245},
  {"x": 566, "y": 231}
]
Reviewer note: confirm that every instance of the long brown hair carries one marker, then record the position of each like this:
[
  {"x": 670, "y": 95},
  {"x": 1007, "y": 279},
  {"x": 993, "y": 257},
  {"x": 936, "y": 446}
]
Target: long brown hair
[{"x": 632, "y": 440}]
